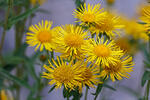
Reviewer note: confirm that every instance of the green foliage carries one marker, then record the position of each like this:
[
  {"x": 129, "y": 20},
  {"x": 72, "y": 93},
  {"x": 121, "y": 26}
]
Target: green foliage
[
  {"x": 146, "y": 76},
  {"x": 79, "y": 3},
  {"x": 15, "y": 79},
  {"x": 98, "y": 90},
  {"x": 67, "y": 93},
  {"x": 14, "y": 20},
  {"x": 110, "y": 87},
  {"x": 52, "y": 89}
]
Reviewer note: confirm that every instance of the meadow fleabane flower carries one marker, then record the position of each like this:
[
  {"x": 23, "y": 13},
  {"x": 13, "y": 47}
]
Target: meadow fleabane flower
[
  {"x": 145, "y": 14},
  {"x": 70, "y": 39},
  {"x": 101, "y": 52},
  {"x": 136, "y": 30},
  {"x": 121, "y": 69},
  {"x": 88, "y": 14},
  {"x": 109, "y": 24},
  {"x": 62, "y": 73},
  {"x": 41, "y": 36},
  {"x": 90, "y": 75}
]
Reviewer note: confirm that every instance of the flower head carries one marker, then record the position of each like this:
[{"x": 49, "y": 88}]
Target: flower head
[
  {"x": 88, "y": 14},
  {"x": 41, "y": 36},
  {"x": 145, "y": 13},
  {"x": 136, "y": 30},
  {"x": 62, "y": 73},
  {"x": 70, "y": 39},
  {"x": 121, "y": 69},
  {"x": 109, "y": 24},
  {"x": 102, "y": 52},
  {"x": 90, "y": 75}
]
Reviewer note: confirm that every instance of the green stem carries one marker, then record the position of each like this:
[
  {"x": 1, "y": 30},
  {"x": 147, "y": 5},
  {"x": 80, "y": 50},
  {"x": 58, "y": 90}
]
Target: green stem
[
  {"x": 67, "y": 97},
  {"x": 52, "y": 54},
  {"x": 148, "y": 84},
  {"x": 147, "y": 90},
  {"x": 47, "y": 54},
  {"x": 86, "y": 93},
  {"x": 5, "y": 27}
]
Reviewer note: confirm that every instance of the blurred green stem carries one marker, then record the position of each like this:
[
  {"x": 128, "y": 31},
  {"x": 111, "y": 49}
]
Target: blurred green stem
[
  {"x": 47, "y": 54},
  {"x": 86, "y": 93},
  {"x": 67, "y": 96},
  {"x": 52, "y": 54},
  {"x": 147, "y": 90},
  {"x": 5, "y": 27},
  {"x": 148, "y": 83}
]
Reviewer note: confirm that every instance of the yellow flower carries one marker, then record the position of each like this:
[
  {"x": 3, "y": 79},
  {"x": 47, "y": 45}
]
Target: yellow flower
[
  {"x": 4, "y": 95},
  {"x": 41, "y": 36},
  {"x": 145, "y": 13},
  {"x": 109, "y": 24},
  {"x": 34, "y": 2},
  {"x": 123, "y": 43},
  {"x": 122, "y": 69},
  {"x": 90, "y": 75},
  {"x": 136, "y": 30},
  {"x": 88, "y": 14},
  {"x": 101, "y": 52},
  {"x": 70, "y": 39},
  {"x": 62, "y": 73}
]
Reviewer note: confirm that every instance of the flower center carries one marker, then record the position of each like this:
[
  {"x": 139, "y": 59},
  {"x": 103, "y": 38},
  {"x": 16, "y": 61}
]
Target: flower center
[
  {"x": 113, "y": 68},
  {"x": 73, "y": 40},
  {"x": 63, "y": 74},
  {"x": 101, "y": 51},
  {"x": 44, "y": 36},
  {"x": 87, "y": 74},
  {"x": 88, "y": 17}
]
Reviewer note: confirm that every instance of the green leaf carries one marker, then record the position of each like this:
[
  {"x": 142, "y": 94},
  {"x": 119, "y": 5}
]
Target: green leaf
[
  {"x": 52, "y": 89},
  {"x": 15, "y": 79},
  {"x": 98, "y": 90},
  {"x": 147, "y": 63},
  {"x": 30, "y": 67},
  {"x": 146, "y": 76},
  {"x": 142, "y": 23},
  {"x": 79, "y": 3},
  {"x": 66, "y": 93},
  {"x": 43, "y": 11},
  {"x": 21, "y": 50},
  {"x": 13, "y": 59},
  {"x": 14, "y": 20},
  {"x": 75, "y": 93},
  {"x": 110, "y": 87}
]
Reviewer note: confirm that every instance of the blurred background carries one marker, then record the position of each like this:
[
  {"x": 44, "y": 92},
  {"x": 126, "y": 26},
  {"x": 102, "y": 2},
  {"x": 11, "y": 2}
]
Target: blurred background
[{"x": 60, "y": 12}]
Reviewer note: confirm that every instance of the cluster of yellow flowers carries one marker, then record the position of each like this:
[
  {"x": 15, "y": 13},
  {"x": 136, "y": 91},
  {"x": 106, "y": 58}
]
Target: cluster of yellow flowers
[{"x": 84, "y": 60}]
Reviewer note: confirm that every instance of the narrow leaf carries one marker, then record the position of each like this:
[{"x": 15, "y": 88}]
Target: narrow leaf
[
  {"x": 52, "y": 89},
  {"x": 20, "y": 17},
  {"x": 15, "y": 79},
  {"x": 110, "y": 87},
  {"x": 146, "y": 76}
]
